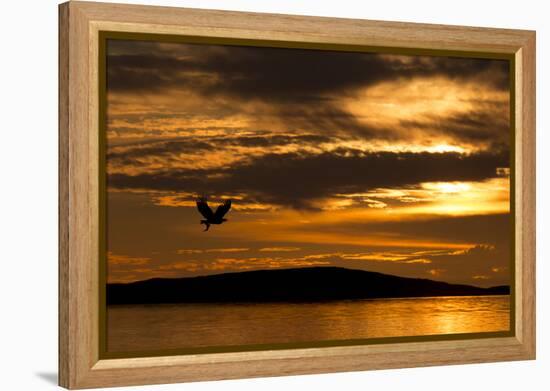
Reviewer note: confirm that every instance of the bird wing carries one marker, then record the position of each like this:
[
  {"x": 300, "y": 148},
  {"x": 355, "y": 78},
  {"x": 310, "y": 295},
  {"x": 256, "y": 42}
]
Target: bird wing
[
  {"x": 223, "y": 209},
  {"x": 204, "y": 209}
]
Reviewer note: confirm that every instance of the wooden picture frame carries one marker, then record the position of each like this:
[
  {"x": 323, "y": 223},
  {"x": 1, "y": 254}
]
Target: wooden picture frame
[{"x": 80, "y": 24}]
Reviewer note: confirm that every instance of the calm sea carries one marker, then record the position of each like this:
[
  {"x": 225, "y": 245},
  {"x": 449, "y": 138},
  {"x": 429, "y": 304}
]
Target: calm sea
[{"x": 157, "y": 327}]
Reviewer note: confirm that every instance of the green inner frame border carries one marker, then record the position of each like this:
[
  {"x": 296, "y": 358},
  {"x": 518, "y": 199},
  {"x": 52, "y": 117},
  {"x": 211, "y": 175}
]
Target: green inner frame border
[{"x": 104, "y": 36}]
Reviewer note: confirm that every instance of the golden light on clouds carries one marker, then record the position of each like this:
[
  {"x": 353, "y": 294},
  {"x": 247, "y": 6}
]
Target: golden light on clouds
[
  {"x": 465, "y": 198},
  {"x": 480, "y": 277},
  {"x": 191, "y": 262},
  {"x": 426, "y": 101},
  {"x": 119, "y": 259},
  {"x": 211, "y": 250},
  {"x": 279, "y": 249}
]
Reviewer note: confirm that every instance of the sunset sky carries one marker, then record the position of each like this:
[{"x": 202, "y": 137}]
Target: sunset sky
[{"x": 389, "y": 163}]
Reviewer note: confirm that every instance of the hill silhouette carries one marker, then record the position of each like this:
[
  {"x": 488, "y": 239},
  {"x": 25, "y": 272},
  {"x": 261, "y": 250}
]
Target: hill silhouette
[{"x": 292, "y": 285}]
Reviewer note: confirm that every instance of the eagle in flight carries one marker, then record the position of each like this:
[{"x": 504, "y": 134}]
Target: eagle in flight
[{"x": 211, "y": 217}]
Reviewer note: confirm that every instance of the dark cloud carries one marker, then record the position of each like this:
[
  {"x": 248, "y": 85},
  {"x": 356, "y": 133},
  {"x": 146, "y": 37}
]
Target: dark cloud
[
  {"x": 303, "y": 88},
  {"x": 293, "y": 179},
  {"x": 473, "y": 126},
  {"x": 157, "y": 149},
  {"x": 266, "y": 73},
  {"x": 304, "y": 75},
  {"x": 278, "y": 74},
  {"x": 151, "y": 72},
  {"x": 270, "y": 141},
  {"x": 130, "y": 153},
  {"x": 494, "y": 73},
  {"x": 329, "y": 119}
]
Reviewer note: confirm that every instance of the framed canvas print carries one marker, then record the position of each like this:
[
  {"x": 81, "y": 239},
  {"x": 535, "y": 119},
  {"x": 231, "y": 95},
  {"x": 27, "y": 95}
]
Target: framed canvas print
[{"x": 249, "y": 195}]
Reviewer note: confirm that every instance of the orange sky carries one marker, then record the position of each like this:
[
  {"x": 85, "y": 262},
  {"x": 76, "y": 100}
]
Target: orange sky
[{"x": 396, "y": 164}]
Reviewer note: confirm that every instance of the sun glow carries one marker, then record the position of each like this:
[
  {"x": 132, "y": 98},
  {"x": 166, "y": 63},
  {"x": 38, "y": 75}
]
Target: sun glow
[
  {"x": 447, "y": 187},
  {"x": 441, "y": 148}
]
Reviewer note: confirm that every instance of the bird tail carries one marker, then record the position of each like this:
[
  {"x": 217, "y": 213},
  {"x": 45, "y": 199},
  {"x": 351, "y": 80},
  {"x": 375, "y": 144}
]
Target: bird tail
[{"x": 207, "y": 224}]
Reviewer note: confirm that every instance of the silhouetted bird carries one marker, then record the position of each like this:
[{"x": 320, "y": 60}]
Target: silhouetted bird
[{"x": 211, "y": 217}]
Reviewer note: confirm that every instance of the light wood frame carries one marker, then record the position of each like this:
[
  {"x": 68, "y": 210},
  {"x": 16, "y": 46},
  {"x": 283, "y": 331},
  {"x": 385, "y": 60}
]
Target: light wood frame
[{"x": 79, "y": 27}]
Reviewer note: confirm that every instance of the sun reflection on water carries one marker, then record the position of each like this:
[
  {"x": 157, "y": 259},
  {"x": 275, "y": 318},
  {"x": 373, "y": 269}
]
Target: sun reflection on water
[{"x": 153, "y": 327}]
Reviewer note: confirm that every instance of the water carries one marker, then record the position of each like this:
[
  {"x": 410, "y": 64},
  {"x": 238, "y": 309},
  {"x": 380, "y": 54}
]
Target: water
[{"x": 157, "y": 327}]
